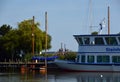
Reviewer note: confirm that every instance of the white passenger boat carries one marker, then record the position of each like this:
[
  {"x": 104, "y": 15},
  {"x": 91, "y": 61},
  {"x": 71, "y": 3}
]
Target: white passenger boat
[{"x": 95, "y": 53}]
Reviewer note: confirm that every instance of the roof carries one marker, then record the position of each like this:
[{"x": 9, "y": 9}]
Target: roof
[{"x": 97, "y": 35}]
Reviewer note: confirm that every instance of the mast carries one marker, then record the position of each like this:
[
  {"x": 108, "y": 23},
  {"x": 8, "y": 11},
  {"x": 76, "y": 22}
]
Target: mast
[
  {"x": 33, "y": 36},
  {"x": 90, "y": 18},
  {"x": 46, "y": 31},
  {"x": 62, "y": 46},
  {"x": 91, "y": 15},
  {"x": 46, "y": 28},
  {"x": 108, "y": 20}
]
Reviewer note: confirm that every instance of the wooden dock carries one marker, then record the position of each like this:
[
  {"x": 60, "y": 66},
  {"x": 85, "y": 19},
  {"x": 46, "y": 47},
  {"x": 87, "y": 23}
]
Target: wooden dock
[
  {"x": 20, "y": 63},
  {"x": 37, "y": 65}
]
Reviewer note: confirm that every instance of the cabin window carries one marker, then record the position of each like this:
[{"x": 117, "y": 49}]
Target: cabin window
[
  {"x": 116, "y": 59},
  {"x": 119, "y": 39},
  {"x": 90, "y": 59},
  {"x": 103, "y": 59},
  {"x": 83, "y": 58},
  {"x": 87, "y": 40},
  {"x": 80, "y": 41},
  {"x": 99, "y": 41},
  {"x": 111, "y": 40},
  {"x": 78, "y": 57}
]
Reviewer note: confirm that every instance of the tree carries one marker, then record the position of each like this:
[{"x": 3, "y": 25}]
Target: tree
[
  {"x": 69, "y": 55},
  {"x": 25, "y": 31},
  {"x": 48, "y": 41},
  {"x": 13, "y": 41},
  {"x": 94, "y": 33},
  {"x": 5, "y": 29}
]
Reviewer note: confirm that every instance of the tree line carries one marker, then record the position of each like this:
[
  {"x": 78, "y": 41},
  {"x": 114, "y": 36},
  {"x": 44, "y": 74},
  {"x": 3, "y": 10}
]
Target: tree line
[{"x": 15, "y": 43}]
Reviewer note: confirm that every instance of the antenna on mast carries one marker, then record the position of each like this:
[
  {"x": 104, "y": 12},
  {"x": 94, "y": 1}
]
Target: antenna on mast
[
  {"x": 102, "y": 25},
  {"x": 90, "y": 16}
]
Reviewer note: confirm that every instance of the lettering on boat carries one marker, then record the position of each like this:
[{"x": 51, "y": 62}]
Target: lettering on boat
[{"x": 112, "y": 49}]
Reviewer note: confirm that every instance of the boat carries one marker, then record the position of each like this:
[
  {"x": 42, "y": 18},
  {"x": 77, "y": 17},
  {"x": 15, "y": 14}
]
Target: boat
[
  {"x": 96, "y": 53},
  {"x": 42, "y": 58}
]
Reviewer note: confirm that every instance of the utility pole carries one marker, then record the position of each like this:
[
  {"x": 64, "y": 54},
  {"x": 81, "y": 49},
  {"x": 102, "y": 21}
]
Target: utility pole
[{"x": 33, "y": 36}]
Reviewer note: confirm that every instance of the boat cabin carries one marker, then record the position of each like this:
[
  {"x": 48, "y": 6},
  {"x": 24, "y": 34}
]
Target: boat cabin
[
  {"x": 98, "y": 39},
  {"x": 98, "y": 48}
]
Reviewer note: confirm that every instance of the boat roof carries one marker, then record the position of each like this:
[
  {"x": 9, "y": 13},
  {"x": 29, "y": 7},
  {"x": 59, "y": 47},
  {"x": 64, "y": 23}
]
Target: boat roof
[{"x": 101, "y": 35}]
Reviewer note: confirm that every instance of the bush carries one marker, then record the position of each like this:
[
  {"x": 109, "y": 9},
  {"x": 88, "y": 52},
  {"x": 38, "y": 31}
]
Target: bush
[
  {"x": 68, "y": 56},
  {"x": 27, "y": 57}
]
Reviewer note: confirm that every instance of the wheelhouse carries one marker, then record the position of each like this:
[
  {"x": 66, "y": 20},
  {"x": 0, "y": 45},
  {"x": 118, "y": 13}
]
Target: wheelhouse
[
  {"x": 98, "y": 49},
  {"x": 98, "y": 39}
]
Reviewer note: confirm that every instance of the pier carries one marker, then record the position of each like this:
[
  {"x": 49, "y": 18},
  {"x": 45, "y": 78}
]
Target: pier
[{"x": 29, "y": 65}]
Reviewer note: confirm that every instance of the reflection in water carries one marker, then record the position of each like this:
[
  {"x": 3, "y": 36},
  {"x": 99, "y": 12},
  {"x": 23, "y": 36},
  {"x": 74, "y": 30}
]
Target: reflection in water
[
  {"x": 88, "y": 77},
  {"x": 59, "y": 76}
]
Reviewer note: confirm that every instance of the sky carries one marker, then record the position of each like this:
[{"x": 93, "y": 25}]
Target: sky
[{"x": 65, "y": 17}]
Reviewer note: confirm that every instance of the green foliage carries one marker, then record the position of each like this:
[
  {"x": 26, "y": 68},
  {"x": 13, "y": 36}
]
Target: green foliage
[
  {"x": 48, "y": 55},
  {"x": 13, "y": 41},
  {"x": 94, "y": 33},
  {"x": 68, "y": 56},
  {"x": 25, "y": 30},
  {"x": 27, "y": 57},
  {"x": 62, "y": 57},
  {"x": 6, "y": 49},
  {"x": 4, "y": 29}
]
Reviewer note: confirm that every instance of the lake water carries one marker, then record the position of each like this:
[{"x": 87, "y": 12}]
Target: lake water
[{"x": 58, "y": 76}]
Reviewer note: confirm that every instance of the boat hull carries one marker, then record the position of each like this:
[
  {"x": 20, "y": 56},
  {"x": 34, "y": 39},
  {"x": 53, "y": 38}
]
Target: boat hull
[{"x": 73, "y": 66}]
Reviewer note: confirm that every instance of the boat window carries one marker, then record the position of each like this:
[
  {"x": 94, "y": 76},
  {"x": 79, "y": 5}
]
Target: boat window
[
  {"x": 111, "y": 40},
  {"x": 119, "y": 39},
  {"x": 99, "y": 41},
  {"x": 80, "y": 41},
  {"x": 90, "y": 59},
  {"x": 82, "y": 58},
  {"x": 116, "y": 59},
  {"x": 87, "y": 40},
  {"x": 78, "y": 58},
  {"x": 103, "y": 59}
]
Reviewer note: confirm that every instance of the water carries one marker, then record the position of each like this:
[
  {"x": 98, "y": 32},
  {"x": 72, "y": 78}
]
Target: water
[{"x": 58, "y": 76}]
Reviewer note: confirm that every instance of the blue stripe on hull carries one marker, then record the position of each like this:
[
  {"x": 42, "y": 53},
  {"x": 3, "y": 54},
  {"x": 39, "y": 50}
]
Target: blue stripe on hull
[
  {"x": 98, "y": 52},
  {"x": 108, "y": 64}
]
